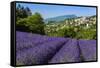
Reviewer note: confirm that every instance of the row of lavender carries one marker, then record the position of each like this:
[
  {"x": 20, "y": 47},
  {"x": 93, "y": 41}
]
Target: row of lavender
[{"x": 40, "y": 49}]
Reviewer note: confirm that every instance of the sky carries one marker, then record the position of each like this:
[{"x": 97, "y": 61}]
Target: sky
[{"x": 49, "y": 11}]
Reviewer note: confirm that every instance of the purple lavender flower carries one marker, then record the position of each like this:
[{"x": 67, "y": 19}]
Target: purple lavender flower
[
  {"x": 41, "y": 49},
  {"x": 88, "y": 49},
  {"x": 68, "y": 53},
  {"x": 27, "y": 40},
  {"x": 40, "y": 54}
]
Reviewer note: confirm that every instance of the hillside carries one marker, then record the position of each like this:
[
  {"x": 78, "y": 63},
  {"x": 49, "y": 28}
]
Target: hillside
[
  {"x": 60, "y": 18},
  {"x": 80, "y": 28}
]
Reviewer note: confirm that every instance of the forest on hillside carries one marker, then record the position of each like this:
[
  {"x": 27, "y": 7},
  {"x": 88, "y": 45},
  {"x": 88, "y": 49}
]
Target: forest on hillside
[{"x": 78, "y": 27}]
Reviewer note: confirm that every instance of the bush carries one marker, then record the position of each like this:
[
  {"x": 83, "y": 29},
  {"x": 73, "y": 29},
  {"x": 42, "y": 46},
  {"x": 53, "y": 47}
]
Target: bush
[
  {"x": 69, "y": 32},
  {"x": 86, "y": 34}
]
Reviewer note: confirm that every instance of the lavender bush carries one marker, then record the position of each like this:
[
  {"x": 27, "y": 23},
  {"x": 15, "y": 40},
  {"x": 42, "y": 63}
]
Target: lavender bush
[
  {"x": 40, "y": 49},
  {"x": 88, "y": 49},
  {"x": 68, "y": 53}
]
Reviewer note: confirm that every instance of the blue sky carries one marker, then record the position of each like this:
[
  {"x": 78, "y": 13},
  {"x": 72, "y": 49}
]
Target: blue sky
[{"x": 48, "y": 11}]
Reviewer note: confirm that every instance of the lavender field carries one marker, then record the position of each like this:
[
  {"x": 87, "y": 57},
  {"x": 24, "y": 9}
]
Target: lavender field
[{"x": 40, "y": 49}]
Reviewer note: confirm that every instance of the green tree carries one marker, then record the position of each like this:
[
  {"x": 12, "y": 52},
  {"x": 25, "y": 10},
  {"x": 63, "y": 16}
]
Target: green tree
[
  {"x": 35, "y": 23},
  {"x": 69, "y": 32},
  {"x": 32, "y": 23},
  {"x": 22, "y": 12}
]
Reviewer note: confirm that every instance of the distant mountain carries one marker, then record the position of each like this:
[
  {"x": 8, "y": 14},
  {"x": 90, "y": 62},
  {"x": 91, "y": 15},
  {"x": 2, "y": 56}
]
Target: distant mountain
[{"x": 60, "y": 18}]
